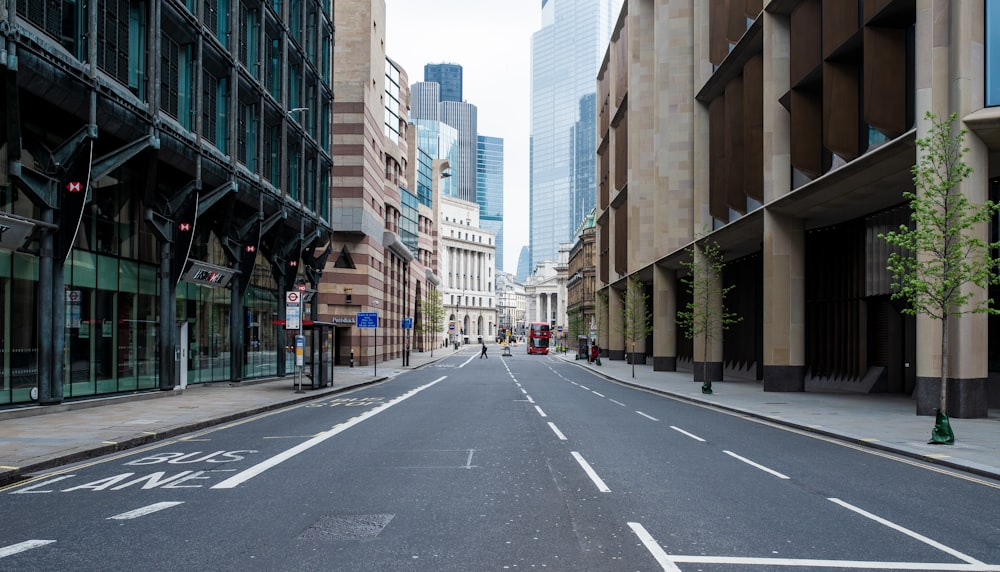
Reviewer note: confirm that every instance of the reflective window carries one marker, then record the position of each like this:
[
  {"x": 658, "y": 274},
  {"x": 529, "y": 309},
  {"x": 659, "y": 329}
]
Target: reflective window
[{"x": 992, "y": 52}]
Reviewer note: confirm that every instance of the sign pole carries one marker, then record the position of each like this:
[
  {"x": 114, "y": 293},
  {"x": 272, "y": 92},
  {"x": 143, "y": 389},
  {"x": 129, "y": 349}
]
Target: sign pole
[{"x": 375, "y": 363}]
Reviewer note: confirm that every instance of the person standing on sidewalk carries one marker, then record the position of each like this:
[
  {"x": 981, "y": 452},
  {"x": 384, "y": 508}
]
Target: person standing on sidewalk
[{"x": 483, "y": 354}]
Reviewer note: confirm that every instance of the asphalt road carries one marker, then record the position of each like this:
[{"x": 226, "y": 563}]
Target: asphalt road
[{"x": 517, "y": 463}]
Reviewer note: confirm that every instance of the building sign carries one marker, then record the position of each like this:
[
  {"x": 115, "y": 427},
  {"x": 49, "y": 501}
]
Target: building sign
[
  {"x": 208, "y": 275},
  {"x": 293, "y": 310},
  {"x": 345, "y": 320},
  {"x": 13, "y": 231},
  {"x": 367, "y": 319}
]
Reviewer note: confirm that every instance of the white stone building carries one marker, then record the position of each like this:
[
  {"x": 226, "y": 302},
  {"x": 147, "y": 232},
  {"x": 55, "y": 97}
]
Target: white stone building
[
  {"x": 545, "y": 290},
  {"x": 466, "y": 265}
]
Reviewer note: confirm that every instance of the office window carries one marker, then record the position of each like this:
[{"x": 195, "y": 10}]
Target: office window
[
  {"x": 992, "y": 52},
  {"x": 175, "y": 80},
  {"x": 215, "y": 97},
  {"x": 60, "y": 20},
  {"x": 121, "y": 42}
]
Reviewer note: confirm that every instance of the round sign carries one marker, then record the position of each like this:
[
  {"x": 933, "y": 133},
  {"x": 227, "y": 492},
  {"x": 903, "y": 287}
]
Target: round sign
[
  {"x": 34, "y": 393},
  {"x": 292, "y": 297},
  {"x": 302, "y": 287}
]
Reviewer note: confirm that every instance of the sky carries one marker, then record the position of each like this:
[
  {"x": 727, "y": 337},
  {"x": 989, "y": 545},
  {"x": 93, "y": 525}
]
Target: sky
[{"x": 491, "y": 40}]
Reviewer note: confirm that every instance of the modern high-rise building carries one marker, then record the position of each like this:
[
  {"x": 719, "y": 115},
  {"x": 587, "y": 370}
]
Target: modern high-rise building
[
  {"x": 440, "y": 141},
  {"x": 489, "y": 189},
  {"x": 449, "y": 77},
  {"x": 524, "y": 263},
  {"x": 464, "y": 118},
  {"x": 566, "y": 54},
  {"x": 425, "y": 100},
  {"x": 146, "y": 169},
  {"x": 785, "y": 133}
]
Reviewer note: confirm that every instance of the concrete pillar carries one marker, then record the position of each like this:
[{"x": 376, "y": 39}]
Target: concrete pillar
[
  {"x": 664, "y": 303},
  {"x": 784, "y": 303},
  {"x": 616, "y": 310}
]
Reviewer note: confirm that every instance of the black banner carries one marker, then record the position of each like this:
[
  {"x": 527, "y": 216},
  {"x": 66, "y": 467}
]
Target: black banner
[
  {"x": 184, "y": 224},
  {"x": 73, "y": 188},
  {"x": 248, "y": 257}
]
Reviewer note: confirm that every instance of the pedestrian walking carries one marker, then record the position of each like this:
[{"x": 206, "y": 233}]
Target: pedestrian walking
[{"x": 483, "y": 354}]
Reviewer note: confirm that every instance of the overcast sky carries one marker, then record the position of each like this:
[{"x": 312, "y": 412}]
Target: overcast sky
[{"x": 491, "y": 40}]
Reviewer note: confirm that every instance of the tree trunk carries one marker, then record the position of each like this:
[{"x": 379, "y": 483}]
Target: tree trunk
[{"x": 944, "y": 364}]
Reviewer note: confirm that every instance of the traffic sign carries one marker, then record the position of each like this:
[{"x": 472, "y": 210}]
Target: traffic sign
[
  {"x": 302, "y": 287},
  {"x": 407, "y": 323},
  {"x": 367, "y": 319},
  {"x": 559, "y": 329},
  {"x": 291, "y": 297}
]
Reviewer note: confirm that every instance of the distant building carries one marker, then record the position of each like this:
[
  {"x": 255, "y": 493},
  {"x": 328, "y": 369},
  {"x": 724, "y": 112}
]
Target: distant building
[
  {"x": 524, "y": 264},
  {"x": 449, "y": 77},
  {"x": 489, "y": 189},
  {"x": 468, "y": 276},
  {"x": 464, "y": 118},
  {"x": 425, "y": 99}
]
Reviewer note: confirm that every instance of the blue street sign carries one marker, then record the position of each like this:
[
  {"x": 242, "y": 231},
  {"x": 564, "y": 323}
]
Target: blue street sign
[
  {"x": 367, "y": 319},
  {"x": 407, "y": 323}
]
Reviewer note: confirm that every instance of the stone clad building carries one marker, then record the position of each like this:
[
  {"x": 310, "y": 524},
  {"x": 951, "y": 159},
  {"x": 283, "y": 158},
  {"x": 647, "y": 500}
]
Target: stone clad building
[{"x": 785, "y": 131}]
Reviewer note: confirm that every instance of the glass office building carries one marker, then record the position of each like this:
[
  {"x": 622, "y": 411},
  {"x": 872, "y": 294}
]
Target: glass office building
[
  {"x": 565, "y": 57},
  {"x": 489, "y": 189},
  {"x": 464, "y": 118},
  {"x": 449, "y": 77}
]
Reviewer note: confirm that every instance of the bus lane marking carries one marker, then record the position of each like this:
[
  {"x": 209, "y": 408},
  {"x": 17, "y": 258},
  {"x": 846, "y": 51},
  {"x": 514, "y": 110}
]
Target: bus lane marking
[
  {"x": 144, "y": 510},
  {"x": 247, "y": 474},
  {"x": 13, "y": 549}
]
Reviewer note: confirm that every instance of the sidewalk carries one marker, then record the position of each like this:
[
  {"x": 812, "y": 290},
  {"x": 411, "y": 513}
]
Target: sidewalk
[
  {"x": 886, "y": 422},
  {"x": 35, "y": 438}
]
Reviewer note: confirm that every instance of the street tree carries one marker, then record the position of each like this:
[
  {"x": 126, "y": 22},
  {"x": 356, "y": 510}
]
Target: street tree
[
  {"x": 433, "y": 310},
  {"x": 705, "y": 316},
  {"x": 600, "y": 318},
  {"x": 637, "y": 320},
  {"x": 943, "y": 263},
  {"x": 577, "y": 326}
]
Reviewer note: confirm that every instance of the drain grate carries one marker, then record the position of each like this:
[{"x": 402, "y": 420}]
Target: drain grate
[{"x": 347, "y": 527}]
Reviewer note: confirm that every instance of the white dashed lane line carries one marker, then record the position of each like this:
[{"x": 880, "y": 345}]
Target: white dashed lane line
[
  {"x": 13, "y": 549},
  {"x": 617, "y": 402},
  {"x": 557, "y": 431},
  {"x": 691, "y": 435},
  {"x": 758, "y": 466},
  {"x": 591, "y": 473},
  {"x": 540, "y": 412},
  {"x": 144, "y": 511},
  {"x": 650, "y": 417}
]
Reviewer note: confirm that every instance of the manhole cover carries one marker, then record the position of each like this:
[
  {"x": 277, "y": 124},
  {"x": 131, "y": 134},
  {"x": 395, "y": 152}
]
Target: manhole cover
[{"x": 350, "y": 527}]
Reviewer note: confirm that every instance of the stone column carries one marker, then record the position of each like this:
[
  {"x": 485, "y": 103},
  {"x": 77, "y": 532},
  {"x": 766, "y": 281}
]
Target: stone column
[
  {"x": 784, "y": 303},
  {"x": 616, "y": 309},
  {"x": 664, "y": 319}
]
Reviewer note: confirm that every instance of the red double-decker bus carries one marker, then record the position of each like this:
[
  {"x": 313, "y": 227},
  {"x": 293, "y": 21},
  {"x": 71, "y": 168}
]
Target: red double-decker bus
[{"x": 539, "y": 335}]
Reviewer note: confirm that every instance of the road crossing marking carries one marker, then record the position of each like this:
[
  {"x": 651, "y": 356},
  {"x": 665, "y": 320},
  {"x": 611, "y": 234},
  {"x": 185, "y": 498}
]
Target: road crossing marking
[
  {"x": 691, "y": 435},
  {"x": 144, "y": 511},
  {"x": 653, "y": 547},
  {"x": 908, "y": 532},
  {"x": 650, "y": 417},
  {"x": 13, "y": 549},
  {"x": 758, "y": 466},
  {"x": 591, "y": 472},
  {"x": 540, "y": 412},
  {"x": 557, "y": 431},
  {"x": 276, "y": 460}
]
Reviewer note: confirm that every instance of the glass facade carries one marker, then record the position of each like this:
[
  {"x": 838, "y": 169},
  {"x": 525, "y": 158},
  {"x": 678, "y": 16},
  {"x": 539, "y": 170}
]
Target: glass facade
[
  {"x": 440, "y": 141},
  {"x": 449, "y": 77},
  {"x": 992, "y": 52},
  {"x": 489, "y": 189},
  {"x": 464, "y": 118},
  {"x": 565, "y": 57}
]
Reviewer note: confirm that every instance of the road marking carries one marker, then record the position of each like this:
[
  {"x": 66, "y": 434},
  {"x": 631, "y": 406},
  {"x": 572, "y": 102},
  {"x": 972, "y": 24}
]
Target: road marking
[
  {"x": 276, "y": 460},
  {"x": 597, "y": 394},
  {"x": 574, "y": 383},
  {"x": 752, "y": 464},
  {"x": 530, "y": 400},
  {"x": 9, "y": 468},
  {"x": 683, "y": 432},
  {"x": 144, "y": 511},
  {"x": 591, "y": 473},
  {"x": 650, "y": 417},
  {"x": 22, "y": 546},
  {"x": 617, "y": 402},
  {"x": 809, "y": 563},
  {"x": 467, "y": 361},
  {"x": 540, "y": 412},
  {"x": 468, "y": 462},
  {"x": 557, "y": 431},
  {"x": 909, "y": 532},
  {"x": 584, "y": 387},
  {"x": 653, "y": 547}
]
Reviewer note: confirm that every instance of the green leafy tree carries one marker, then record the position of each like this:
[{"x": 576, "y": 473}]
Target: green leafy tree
[
  {"x": 600, "y": 317},
  {"x": 941, "y": 255},
  {"x": 433, "y": 310},
  {"x": 577, "y": 327},
  {"x": 637, "y": 320},
  {"x": 705, "y": 315}
]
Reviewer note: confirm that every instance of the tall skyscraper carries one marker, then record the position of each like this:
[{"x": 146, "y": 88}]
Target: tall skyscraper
[
  {"x": 566, "y": 54},
  {"x": 524, "y": 264},
  {"x": 489, "y": 189},
  {"x": 449, "y": 77},
  {"x": 463, "y": 117},
  {"x": 425, "y": 98}
]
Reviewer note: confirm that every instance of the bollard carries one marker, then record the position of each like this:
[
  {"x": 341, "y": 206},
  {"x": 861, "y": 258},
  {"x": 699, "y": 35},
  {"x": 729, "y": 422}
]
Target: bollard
[{"x": 352, "y": 357}]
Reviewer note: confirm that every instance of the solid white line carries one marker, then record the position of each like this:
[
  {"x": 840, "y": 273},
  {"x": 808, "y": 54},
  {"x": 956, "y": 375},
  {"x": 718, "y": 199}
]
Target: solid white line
[
  {"x": 647, "y": 416},
  {"x": 597, "y": 394},
  {"x": 530, "y": 400},
  {"x": 591, "y": 473},
  {"x": 557, "y": 431},
  {"x": 617, "y": 402},
  {"x": 22, "y": 546},
  {"x": 802, "y": 562},
  {"x": 908, "y": 532},
  {"x": 144, "y": 511},
  {"x": 276, "y": 460},
  {"x": 752, "y": 464},
  {"x": 653, "y": 547},
  {"x": 691, "y": 435},
  {"x": 540, "y": 412}
]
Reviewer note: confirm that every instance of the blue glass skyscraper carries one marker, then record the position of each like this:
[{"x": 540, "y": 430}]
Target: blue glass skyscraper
[
  {"x": 489, "y": 189},
  {"x": 566, "y": 54},
  {"x": 449, "y": 77}
]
